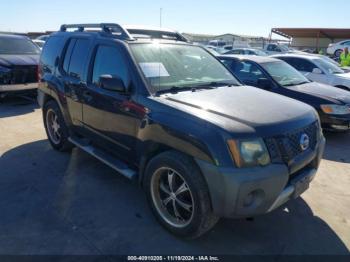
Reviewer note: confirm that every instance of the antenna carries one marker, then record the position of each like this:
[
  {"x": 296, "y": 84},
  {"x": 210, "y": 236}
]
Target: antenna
[{"x": 160, "y": 17}]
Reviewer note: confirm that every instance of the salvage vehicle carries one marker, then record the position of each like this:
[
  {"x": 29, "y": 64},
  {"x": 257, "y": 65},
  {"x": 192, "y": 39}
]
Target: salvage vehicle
[
  {"x": 169, "y": 115},
  {"x": 332, "y": 104},
  {"x": 19, "y": 58},
  {"x": 319, "y": 70}
]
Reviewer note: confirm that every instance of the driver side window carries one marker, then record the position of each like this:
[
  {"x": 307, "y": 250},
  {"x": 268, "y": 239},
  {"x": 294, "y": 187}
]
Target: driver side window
[
  {"x": 248, "y": 72},
  {"x": 303, "y": 65},
  {"x": 109, "y": 61}
]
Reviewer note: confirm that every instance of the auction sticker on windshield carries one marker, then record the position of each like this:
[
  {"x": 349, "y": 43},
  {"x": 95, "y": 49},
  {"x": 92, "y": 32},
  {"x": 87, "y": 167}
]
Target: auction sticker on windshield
[{"x": 154, "y": 69}]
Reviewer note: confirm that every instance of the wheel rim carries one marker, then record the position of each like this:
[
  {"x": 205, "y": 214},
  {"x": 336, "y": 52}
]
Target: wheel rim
[
  {"x": 53, "y": 126},
  {"x": 172, "y": 197}
]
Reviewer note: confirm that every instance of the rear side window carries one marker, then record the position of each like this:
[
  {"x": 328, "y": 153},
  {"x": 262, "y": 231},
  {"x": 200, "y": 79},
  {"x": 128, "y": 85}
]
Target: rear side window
[
  {"x": 78, "y": 57},
  {"x": 51, "y": 51},
  {"x": 109, "y": 61}
]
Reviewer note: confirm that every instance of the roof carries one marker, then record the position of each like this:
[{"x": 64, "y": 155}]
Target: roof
[
  {"x": 331, "y": 33},
  {"x": 13, "y": 36},
  {"x": 254, "y": 58},
  {"x": 306, "y": 56}
]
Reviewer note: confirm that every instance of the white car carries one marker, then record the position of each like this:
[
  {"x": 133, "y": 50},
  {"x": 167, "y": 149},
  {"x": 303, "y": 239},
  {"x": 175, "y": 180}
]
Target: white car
[
  {"x": 39, "y": 43},
  {"x": 337, "y": 48},
  {"x": 318, "y": 69}
]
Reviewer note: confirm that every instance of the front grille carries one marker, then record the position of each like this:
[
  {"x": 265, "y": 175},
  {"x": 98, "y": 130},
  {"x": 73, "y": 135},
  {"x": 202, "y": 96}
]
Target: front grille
[
  {"x": 287, "y": 146},
  {"x": 24, "y": 74}
]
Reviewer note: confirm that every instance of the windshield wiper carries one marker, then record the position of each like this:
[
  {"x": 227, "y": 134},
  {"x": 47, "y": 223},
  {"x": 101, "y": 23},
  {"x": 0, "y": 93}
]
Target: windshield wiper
[
  {"x": 296, "y": 84},
  {"x": 215, "y": 84},
  {"x": 174, "y": 89}
]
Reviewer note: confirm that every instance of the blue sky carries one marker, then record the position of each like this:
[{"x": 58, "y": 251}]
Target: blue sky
[{"x": 252, "y": 17}]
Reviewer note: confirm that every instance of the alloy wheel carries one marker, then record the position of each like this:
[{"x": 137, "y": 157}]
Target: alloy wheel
[
  {"x": 53, "y": 126},
  {"x": 172, "y": 197}
]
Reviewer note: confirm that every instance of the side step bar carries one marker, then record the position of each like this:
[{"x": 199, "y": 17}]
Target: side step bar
[{"x": 109, "y": 160}]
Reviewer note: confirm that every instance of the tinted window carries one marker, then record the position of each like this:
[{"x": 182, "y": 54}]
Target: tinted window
[
  {"x": 51, "y": 51},
  {"x": 271, "y": 47},
  {"x": 301, "y": 64},
  {"x": 227, "y": 63},
  {"x": 78, "y": 58},
  {"x": 109, "y": 61},
  {"x": 247, "y": 72},
  {"x": 11, "y": 46},
  {"x": 68, "y": 55}
]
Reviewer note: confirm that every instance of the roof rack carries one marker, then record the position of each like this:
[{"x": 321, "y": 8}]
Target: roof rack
[
  {"x": 106, "y": 28},
  {"x": 156, "y": 34}
]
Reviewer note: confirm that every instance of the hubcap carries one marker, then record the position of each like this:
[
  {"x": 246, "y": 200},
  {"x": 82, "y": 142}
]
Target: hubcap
[
  {"x": 53, "y": 126},
  {"x": 172, "y": 197}
]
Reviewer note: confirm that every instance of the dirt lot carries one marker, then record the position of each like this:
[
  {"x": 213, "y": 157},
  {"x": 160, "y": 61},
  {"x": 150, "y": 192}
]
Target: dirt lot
[{"x": 59, "y": 203}]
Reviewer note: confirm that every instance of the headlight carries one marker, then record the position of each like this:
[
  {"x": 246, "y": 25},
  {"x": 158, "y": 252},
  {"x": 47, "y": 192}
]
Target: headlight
[
  {"x": 249, "y": 153},
  {"x": 336, "y": 109}
]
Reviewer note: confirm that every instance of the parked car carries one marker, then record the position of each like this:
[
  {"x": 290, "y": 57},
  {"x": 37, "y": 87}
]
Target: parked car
[
  {"x": 39, "y": 43},
  {"x": 275, "y": 48},
  {"x": 335, "y": 49},
  {"x": 332, "y": 104},
  {"x": 318, "y": 69},
  {"x": 169, "y": 115},
  {"x": 19, "y": 58},
  {"x": 246, "y": 51},
  {"x": 43, "y": 38}
]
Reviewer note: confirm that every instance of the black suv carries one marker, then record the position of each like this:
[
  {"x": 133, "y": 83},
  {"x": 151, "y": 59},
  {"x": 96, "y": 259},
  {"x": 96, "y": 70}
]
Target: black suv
[{"x": 169, "y": 115}]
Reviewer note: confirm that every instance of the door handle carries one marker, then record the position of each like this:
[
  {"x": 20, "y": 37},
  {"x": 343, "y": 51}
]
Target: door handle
[{"x": 87, "y": 95}]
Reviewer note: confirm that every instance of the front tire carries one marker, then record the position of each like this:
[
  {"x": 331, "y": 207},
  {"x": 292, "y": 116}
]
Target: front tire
[
  {"x": 55, "y": 127},
  {"x": 178, "y": 195}
]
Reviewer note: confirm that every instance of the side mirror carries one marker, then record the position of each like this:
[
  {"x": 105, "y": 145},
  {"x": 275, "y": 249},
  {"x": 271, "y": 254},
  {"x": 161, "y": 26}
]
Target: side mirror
[
  {"x": 112, "y": 83},
  {"x": 265, "y": 83},
  {"x": 317, "y": 71}
]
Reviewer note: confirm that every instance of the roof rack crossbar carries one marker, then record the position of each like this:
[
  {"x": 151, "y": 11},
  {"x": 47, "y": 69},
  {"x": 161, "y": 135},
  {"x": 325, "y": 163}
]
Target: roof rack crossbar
[{"x": 106, "y": 27}]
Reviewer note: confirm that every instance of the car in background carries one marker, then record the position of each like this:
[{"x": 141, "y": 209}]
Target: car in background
[
  {"x": 19, "y": 58},
  {"x": 318, "y": 69},
  {"x": 39, "y": 43},
  {"x": 335, "y": 49},
  {"x": 246, "y": 51},
  {"x": 43, "y": 37},
  {"x": 332, "y": 104}
]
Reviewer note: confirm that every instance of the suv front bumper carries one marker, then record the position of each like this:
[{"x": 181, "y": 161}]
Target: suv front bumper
[{"x": 254, "y": 191}]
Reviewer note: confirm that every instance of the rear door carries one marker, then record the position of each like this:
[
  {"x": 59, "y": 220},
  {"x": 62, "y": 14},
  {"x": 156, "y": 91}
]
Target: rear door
[{"x": 74, "y": 72}]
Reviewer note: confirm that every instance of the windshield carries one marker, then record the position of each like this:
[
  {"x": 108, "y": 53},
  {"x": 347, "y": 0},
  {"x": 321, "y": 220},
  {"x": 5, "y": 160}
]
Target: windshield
[
  {"x": 11, "y": 46},
  {"x": 284, "y": 74},
  {"x": 166, "y": 66},
  {"x": 260, "y": 53},
  {"x": 329, "y": 67}
]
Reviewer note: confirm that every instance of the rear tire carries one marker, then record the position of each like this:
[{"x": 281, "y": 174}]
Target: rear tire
[
  {"x": 55, "y": 127},
  {"x": 178, "y": 195}
]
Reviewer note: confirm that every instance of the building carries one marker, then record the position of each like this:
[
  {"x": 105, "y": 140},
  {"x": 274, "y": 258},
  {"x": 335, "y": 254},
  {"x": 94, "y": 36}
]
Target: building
[
  {"x": 315, "y": 39},
  {"x": 229, "y": 39}
]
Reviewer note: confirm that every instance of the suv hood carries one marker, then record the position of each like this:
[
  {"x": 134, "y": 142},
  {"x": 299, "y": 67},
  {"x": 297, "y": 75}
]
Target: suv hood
[
  {"x": 244, "y": 109},
  {"x": 18, "y": 60},
  {"x": 326, "y": 92}
]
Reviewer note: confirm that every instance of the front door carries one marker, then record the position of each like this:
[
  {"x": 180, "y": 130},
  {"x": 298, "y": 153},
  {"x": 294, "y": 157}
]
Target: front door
[{"x": 106, "y": 114}]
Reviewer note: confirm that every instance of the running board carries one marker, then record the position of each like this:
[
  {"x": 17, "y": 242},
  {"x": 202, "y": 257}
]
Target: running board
[{"x": 109, "y": 160}]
